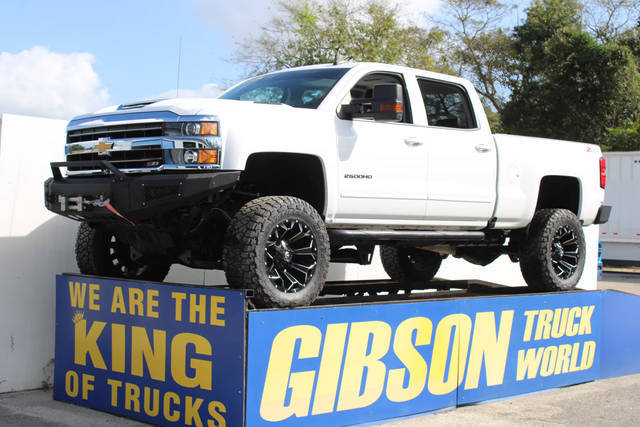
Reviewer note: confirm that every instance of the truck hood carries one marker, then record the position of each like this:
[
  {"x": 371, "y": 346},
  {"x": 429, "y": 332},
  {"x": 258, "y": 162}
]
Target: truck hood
[{"x": 170, "y": 110}]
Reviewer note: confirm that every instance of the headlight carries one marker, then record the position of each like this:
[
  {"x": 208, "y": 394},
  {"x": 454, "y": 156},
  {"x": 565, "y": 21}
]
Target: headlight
[{"x": 191, "y": 129}]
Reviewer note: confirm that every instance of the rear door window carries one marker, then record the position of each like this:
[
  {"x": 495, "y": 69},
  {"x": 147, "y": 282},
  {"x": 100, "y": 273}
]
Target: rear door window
[{"x": 447, "y": 105}]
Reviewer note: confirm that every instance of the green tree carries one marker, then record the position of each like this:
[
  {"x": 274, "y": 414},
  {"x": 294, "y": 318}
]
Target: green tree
[
  {"x": 305, "y": 32},
  {"x": 568, "y": 85},
  {"x": 479, "y": 47}
]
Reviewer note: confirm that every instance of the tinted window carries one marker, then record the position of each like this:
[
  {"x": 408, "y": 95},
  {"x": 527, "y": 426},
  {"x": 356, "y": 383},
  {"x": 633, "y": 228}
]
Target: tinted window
[
  {"x": 298, "y": 88},
  {"x": 446, "y": 105},
  {"x": 364, "y": 89}
]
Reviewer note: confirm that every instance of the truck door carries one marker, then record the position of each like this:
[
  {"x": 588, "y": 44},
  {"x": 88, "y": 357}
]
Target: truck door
[
  {"x": 462, "y": 161},
  {"x": 382, "y": 165}
]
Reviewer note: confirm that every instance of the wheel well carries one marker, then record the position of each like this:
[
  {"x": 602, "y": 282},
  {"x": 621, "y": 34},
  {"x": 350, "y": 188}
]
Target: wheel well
[
  {"x": 559, "y": 192},
  {"x": 286, "y": 174}
]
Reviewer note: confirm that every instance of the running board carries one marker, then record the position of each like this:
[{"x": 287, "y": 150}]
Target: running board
[{"x": 377, "y": 236}]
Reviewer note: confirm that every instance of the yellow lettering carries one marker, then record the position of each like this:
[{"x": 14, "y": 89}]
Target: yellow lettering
[
  {"x": 217, "y": 310},
  {"x": 152, "y": 303},
  {"x": 330, "y": 364},
  {"x": 279, "y": 376},
  {"x": 94, "y": 296},
  {"x": 528, "y": 328},
  {"x": 115, "y": 385},
  {"x": 588, "y": 354},
  {"x": 117, "y": 302},
  {"x": 405, "y": 350},
  {"x": 543, "y": 328},
  {"x": 131, "y": 397},
  {"x": 87, "y": 385},
  {"x": 564, "y": 352},
  {"x": 573, "y": 367},
  {"x": 202, "y": 368},
  {"x": 151, "y": 402},
  {"x": 179, "y": 297},
  {"x": 572, "y": 328},
  {"x": 357, "y": 359},
  {"x": 437, "y": 384},
  {"x": 492, "y": 348},
  {"x": 154, "y": 357},
  {"x": 548, "y": 365},
  {"x": 559, "y": 326},
  {"x": 216, "y": 409},
  {"x": 198, "y": 308},
  {"x": 71, "y": 384},
  {"x": 528, "y": 363},
  {"x": 169, "y": 413},
  {"x": 136, "y": 298},
  {"x": 192, "y": 411},
  {"x": 77, "y": 293},
  {"x": 88, "y": 343},
  {"x": 117, "y": 347},
  {"x": 585, "y": 320}
]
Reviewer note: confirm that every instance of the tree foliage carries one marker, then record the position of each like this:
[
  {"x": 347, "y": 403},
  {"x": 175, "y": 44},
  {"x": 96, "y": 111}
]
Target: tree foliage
[
  {"x": 305, "y": 32},
  {"x": 479, "y": 48},
  {"x": 569, "y": 85}
]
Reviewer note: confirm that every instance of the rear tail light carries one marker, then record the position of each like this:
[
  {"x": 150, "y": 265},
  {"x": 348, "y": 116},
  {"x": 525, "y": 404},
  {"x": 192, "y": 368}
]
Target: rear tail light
[{"x": 603, "y": 172}]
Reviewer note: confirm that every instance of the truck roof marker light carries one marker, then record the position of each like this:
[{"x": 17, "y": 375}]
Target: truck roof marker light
[
  {"x": 208, "y": 156},
  {"x": 603, "y": 172}
]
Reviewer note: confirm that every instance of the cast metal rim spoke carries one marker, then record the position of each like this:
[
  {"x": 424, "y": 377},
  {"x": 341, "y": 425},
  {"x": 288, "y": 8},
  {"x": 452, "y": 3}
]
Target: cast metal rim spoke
[
  {"x": 565, "y": 255},
  {"x": 290, "y": 255},
  {"x": 120, "y": 257}
]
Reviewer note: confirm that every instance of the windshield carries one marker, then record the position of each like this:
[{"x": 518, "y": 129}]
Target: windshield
[{"x": 298, "y": 88}]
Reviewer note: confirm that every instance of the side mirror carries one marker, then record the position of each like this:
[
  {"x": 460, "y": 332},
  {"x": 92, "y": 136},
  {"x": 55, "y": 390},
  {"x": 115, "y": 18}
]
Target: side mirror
[{"x": 386, "y": 105}]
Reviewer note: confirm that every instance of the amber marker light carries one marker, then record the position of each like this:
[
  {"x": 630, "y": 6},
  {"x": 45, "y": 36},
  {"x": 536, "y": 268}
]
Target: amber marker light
[
  {"x": 208, "y": 156},
  {"x": 390, "y": 107},
  {"x": 209, "y": 128}
]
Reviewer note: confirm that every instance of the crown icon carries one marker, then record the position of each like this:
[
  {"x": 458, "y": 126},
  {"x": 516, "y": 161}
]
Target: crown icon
[{"x": 78, "y": 316}]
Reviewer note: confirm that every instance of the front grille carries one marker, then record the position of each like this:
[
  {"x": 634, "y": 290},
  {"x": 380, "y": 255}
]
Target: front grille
[
  {"x": 138, "y": 130},
  {"x": 139, "y": 158}
]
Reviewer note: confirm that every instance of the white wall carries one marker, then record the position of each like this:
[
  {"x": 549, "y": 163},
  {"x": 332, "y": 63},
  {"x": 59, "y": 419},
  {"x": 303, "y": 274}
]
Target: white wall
[{"x": 35, "y": 245}]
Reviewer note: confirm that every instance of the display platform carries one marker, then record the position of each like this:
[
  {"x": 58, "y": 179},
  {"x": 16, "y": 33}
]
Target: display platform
[{"x": 194, "y": 355}]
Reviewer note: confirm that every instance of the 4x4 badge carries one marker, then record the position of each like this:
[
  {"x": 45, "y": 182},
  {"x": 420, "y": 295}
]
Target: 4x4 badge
[{"x": 102, "y": 145}]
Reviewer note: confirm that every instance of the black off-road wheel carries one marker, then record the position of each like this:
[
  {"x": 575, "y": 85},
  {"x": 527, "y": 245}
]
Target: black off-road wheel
[
  {"x": 277, "y": 246},
  {"x": 99, "y": 252},
  {"x": 553, "y": 254},
  {"x": 409, "y": 266}
]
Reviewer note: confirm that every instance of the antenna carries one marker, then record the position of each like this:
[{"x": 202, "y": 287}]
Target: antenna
[{"x": 179, "y": 57}]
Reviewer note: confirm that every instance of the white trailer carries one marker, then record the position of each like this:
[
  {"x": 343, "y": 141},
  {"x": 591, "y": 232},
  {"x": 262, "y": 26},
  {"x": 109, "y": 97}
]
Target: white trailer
[{"x": 621, "y": 235}]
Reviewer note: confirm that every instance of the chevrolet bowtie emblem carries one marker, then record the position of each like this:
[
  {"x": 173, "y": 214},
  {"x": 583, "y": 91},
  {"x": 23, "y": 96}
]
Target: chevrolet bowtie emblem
[{"x": 102, "y": 145}]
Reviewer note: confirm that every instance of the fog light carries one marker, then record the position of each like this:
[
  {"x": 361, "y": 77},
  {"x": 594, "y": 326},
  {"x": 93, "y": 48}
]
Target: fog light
[{"x": 191, "y": 156}]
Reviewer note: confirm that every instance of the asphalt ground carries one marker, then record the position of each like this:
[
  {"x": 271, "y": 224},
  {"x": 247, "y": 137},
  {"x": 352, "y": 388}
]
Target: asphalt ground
[{"x": 612, "y": 402}]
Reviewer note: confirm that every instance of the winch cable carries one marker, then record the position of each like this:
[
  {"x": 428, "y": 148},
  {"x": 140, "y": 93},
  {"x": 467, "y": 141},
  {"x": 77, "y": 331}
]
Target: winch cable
[{"x": 115, "y": 212}]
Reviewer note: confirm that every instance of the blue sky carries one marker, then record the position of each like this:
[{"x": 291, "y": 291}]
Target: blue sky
[
  {"x": 65, "y": 57},
  {"x": 134, "y": 43}
]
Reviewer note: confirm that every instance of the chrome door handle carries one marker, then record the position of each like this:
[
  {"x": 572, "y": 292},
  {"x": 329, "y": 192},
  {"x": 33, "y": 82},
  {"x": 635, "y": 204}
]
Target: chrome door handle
[
  {"x": 412, "y": 142},
  {"x": 482, "y": 148}
]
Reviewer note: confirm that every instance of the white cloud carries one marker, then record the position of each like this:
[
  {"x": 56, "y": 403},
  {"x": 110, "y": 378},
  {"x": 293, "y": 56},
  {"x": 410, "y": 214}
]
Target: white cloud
[
  {"x": 208, "y": 90},
  {"x": 43, "y": 83},
  {"x": 241, "y": 18}
]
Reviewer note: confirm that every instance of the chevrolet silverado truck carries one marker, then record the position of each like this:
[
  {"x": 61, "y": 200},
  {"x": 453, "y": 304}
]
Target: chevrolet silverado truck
[{"x": 289, "y": 171}]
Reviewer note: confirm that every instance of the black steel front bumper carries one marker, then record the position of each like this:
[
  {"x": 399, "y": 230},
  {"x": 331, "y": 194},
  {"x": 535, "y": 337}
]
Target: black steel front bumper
[{"x": 136, "y": 197}]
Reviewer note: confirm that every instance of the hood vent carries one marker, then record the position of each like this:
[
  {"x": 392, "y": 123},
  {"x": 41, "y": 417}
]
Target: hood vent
[{"x": 137, "y": 104}]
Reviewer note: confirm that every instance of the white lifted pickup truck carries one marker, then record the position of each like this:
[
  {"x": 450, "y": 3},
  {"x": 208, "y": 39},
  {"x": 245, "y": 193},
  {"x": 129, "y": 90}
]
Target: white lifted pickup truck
[{"x": 288, "y": 171}]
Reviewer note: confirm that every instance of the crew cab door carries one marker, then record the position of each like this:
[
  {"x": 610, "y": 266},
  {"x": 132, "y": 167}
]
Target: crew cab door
[
  {"x": 462, "y": 158},
  {"x": 382, "y": 165}
]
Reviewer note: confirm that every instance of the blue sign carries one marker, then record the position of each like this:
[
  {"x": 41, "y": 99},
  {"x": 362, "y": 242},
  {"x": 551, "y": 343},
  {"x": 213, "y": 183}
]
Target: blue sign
[
  {"x": 354, "y": 364},
  {"x": 158, "y": 353}
]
